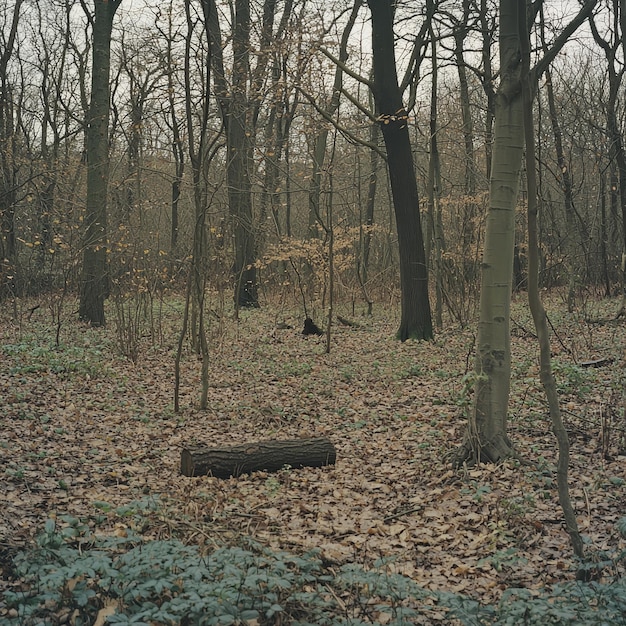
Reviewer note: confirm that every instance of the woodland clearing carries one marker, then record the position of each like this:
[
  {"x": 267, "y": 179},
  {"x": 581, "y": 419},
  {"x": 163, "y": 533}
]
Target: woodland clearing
[{"x": 85, "y": 431}]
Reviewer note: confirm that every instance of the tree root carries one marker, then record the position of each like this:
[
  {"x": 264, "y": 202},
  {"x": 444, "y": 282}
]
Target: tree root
[{"x": 497, "y": 450}]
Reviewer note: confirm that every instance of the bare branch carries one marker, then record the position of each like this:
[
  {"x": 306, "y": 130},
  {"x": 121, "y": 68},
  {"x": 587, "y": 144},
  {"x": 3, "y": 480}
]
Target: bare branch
[
  {"x": 345, "y": 68},
  {"x": 349, "y": 135},
  {"x": 562, "y": 39}
]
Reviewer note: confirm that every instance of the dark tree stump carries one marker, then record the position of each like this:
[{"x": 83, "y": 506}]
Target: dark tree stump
[
  {"x": 260, "y": 455},
  {"x": 311, "y": 328}
]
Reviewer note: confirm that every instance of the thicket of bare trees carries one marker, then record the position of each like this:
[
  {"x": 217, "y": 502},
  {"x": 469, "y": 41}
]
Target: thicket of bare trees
[{"x": 286, "y": 97}]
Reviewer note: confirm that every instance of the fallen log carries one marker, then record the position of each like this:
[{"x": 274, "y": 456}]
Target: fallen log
[
  {"x": 346, "y": 322},
  {"x": 597, "y": 362},
  {"x": 270, "y": 456}
]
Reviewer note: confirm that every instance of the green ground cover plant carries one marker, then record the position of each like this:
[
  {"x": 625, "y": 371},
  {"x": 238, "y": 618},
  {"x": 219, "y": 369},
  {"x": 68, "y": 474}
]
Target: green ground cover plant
[
  {"x": 73, "y": 575},
  {"x": 390, "y": 534}
]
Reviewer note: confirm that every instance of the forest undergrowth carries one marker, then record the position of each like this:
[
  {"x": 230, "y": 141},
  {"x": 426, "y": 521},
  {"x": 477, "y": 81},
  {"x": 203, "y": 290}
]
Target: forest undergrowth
[{"x": 87, "y": 434}]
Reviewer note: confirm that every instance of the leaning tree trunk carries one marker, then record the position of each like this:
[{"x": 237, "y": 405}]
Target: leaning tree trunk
[
  {"x": 94, "y": 284},
  {"x": 534, "y": 299},
  {"x": 415, "y": 321}
]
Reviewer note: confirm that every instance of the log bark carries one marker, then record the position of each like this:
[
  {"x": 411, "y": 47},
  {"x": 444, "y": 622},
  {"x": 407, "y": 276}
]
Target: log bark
[{"x": 270, "y": 456}]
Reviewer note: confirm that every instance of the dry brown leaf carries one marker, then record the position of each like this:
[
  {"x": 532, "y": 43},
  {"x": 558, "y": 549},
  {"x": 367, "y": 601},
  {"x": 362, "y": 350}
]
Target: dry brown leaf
[{"x": 110, "y": 608}]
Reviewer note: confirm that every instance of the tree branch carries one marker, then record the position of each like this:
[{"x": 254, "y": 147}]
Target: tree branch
[
  {"x": 345, "y": 68},
  {"x": 359, "y": 106},
  {"x": 344, "y": 131},
  {"x": 561, "y": 40}
]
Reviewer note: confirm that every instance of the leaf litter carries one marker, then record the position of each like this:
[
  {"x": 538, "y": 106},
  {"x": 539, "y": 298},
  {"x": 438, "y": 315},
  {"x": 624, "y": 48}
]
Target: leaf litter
[{"x": 87, "y": 433}]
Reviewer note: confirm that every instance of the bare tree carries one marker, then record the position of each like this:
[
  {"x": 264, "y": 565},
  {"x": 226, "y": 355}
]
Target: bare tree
[
  {"x": 142, "y": 73},
  {"x": 318, "y": 152},
  {"x": 416, "y": 322},
  {"x": 486, "y": 437},
  {"x": 239, "y": 104},
  {"x": 566, "y": 182},
  {"x": 534, "y": 298},
  {"x": 8, "y": 156},
  {"x": 199, "y": 156},
  {"x": 612, "y": 44},
  {"x": 94, "y": 287}
]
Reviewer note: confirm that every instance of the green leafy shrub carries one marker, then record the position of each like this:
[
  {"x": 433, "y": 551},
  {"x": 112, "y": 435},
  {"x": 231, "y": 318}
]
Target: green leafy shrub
[
  {"x": 70, "y": 571},
  {"x": 573, "y": 379}
]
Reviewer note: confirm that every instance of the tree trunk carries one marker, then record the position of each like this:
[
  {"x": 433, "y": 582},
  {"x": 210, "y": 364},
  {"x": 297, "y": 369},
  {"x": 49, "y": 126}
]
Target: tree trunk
[
  {"x": 240, "y": 202},
  {"x": 604, "y": 238},
  {"x": 568, "y": 197},
  {"x": 415, "y": 322},
  {"x": 365, "y": 225},
  {"x": 370, "y": 205},
  {"x": 534, "y": 299},
  {"x": 269, "y": 456},
  {"x": 486, "y": 436},
  {"x": 237, "y": 119},
  {"x": 617, "y": 152},
  {"x": 321, "y": 140},
  {"x": 178, "y": 151},
  {"x": 434, "y": 190},
  {"x": 239, "y": 163},
  {"x": 487, "y": 28},
  {"x": 94, "y": 287},
  {"x": 461, "y": 31},
  {"x": 9, "y": 165},
  {"x": 199, "y": 154}
]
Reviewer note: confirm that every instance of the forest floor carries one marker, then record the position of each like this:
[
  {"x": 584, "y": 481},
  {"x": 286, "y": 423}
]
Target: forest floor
[{"x": 81, "y": 425}]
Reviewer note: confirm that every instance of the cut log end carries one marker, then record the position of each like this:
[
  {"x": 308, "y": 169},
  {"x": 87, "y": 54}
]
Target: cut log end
[{"x": 269, "y": 456}]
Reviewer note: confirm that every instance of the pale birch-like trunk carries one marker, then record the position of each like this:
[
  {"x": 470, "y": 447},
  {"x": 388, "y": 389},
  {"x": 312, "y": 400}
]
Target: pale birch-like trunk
[{"x": 486, "y": 438}]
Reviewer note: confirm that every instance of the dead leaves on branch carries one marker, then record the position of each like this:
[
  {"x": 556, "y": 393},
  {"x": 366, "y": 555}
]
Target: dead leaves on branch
[{"x": 85, "y": 432}]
